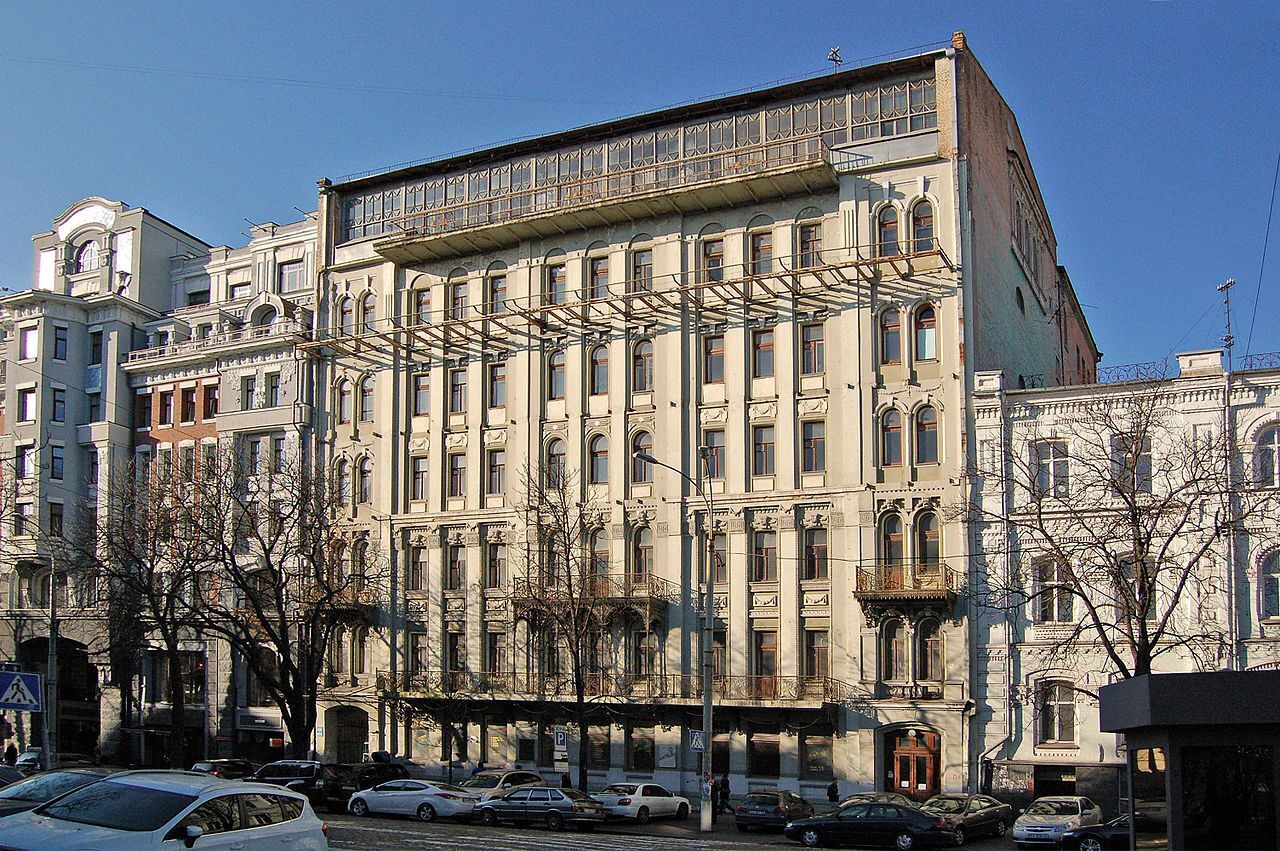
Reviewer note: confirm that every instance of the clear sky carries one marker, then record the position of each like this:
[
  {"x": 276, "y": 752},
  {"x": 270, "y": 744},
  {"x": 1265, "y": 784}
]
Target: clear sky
[{"x": 1153, "y": 127}]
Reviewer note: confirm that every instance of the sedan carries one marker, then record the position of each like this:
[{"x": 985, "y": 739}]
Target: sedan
[
  {"x": 891, "y": 825},
  {"x": 642, "y": 801},
  {"x": 428, "y": 801},
  {"x": 771, "y": 810},
  {"x": 542, "y": 805},
  {"x": 227, "y": 769},
  {"x": 1047, "y": 819},
  {"x": 877, "y": 798},
  {"x": 971, "y": 815},
  {"x": 35, "y": 790},
  {"x": 1113, "y": 834}
]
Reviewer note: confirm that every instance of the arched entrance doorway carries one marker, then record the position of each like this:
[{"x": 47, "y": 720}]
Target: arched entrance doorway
[
  {"x": 912, "y": 762},
  {"x": 346, "y": 734},
  {"x": 79, "y": 714}
]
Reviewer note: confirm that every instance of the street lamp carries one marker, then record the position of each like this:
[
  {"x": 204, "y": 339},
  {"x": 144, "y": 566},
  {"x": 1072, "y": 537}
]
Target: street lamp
[{"x": 708, "y": 619}]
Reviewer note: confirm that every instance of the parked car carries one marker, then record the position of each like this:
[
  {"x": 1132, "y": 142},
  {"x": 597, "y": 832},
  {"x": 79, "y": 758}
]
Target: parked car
[
  {"x": 896, "y": 825},
  {"x": 32, "y": 760},
  {"x": 641, "y": 801},
  {"x": 426, "y": 800},
  {"x": 876, "y": 798},
  {"x": 971, "y": 815},
  {"x": 342, "y": 780},
  {"x": 542, "y": 805},
  {"x": 1047, "y": 819},
  {"x": 496, "y": 782},
  {"x": 227, "y": 769},
  {"x": 1113, "y": 834},
  {"x": 300, "y": 775},
  {"x": 9, "y": 774},
  {"x": 771, "y": 810},
  {"x": 31, "y": 792},
  {"x": 138, "y": 810}
]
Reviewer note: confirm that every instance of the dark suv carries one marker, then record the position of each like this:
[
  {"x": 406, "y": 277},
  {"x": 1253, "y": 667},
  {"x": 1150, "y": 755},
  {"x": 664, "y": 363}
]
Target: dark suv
[
  {"x": 300, "y": 775},
  {"x": 342, "y": 780}
]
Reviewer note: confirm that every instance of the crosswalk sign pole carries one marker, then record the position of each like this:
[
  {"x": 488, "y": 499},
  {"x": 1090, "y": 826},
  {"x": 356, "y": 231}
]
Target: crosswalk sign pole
[{"x": 51, "y": 676}]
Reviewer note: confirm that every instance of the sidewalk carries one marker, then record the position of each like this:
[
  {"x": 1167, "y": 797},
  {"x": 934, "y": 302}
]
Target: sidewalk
[{"x": 723, "y": 828}]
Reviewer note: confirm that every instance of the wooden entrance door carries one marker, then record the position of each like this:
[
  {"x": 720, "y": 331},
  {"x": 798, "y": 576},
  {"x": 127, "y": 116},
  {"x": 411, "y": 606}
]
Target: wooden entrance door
[{"x": 911, "y": 763}]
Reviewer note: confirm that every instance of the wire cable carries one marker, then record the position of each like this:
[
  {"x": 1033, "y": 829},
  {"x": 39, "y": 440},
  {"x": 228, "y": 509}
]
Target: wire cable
[{"x": 1266, "y": 240}]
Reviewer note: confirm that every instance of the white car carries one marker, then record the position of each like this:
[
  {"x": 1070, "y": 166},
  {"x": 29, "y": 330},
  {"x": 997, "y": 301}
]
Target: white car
[
  {"x": 171, "y": 811},
  {"x": 496, "y": 782},
  {"x": 1044, "y": 822},
  {"x": 428, "y": 801},
  {"x": 641, "y": 801}
]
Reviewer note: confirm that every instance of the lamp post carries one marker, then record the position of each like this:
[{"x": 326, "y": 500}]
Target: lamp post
[
  {"x": 708, "y": 620},
  {"x": 394, "y": 629},
  {"x": 51, "y": 676}
]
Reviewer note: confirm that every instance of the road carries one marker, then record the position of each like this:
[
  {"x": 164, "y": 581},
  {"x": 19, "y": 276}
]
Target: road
[{"x": 348, "y": 833}]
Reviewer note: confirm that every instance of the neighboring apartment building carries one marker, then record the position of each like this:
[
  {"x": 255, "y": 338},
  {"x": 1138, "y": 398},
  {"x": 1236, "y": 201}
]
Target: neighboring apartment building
[
  {"x": 804, "y": 279},
  {"x": 1043, "y": 464},
  {"x": 139, "y": 343}
]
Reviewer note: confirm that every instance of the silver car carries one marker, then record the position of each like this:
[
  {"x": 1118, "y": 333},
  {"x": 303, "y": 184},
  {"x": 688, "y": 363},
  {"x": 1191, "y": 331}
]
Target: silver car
[{"x": 1044, "y": 822}]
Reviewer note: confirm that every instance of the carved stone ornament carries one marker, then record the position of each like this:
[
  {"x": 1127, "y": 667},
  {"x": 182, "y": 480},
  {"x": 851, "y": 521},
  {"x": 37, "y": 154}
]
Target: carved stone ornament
[
  {"x": 764, "y": 600},
  {"x": 662, "y": 528},
  {"x": 472, "y": 536},
  {"x": 641, "y": 421},
  {"x": 495, "y": 534},
  {"x": 715, "y": 416},
  {"x": 495, "y": 437},
  {"x": 866, "y": 518},
  {"x": 419, "y": 444},
  {"x": 617, "y": 531},
  {"x": 641, "y": 514},
  {"x": 455, "y": 536},
  {"x": 816, "y": 598},
  {"x": 763, "y": 410},
  {"x": 814, "y": 517},
  {"x": 835, "y": 520},
  {"x": 456, "y": 440},
  {"x": 812, "y": 405}
]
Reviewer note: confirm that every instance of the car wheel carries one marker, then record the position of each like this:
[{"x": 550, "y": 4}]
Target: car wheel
[
  {"x": 959, "y": 836},
  {"x": 1001, "y": 828},
  {"x": 488, "y": 818},
  {"x": 1090, "y": 843},
  {"x": 359, "y": 807},
  {"x": 426, "y": 812},
  {"x": 683, "y": 812},
  {"x": 811, "y": 838},
  {"x": 642, "y": 815},
  {"x": 904, "y": 841},
  {"x": 555, "y": 821}
]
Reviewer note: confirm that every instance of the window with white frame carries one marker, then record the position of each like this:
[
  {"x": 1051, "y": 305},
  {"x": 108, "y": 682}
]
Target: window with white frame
[
  {"x": 1265, "y": 453},
  {"x": 1056, "y": 705},
  {"x": 1131, "y": 464},
  {"x": 1054, "y": 602},
  {"x": 1270, "y": 580},
  {"x": 1050, "y": 468}
]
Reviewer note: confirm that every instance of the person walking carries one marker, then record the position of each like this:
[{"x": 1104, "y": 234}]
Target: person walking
[
  {"x": 722, "y": 803},
  {"x": 833, "y": 792},
  {"x": 11, "y": 754}
]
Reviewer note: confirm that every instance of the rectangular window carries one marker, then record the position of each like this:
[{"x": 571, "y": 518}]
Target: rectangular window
[
  {"x": 91, "y": 476},
  {"x": 255, "y": 456},
  {"x": 240, "y": 290},
  {"x": 762, "y": 353},
  {"x": 187, "y": 463},
  {"x": 290, "y": 278},
  {"x": 210, "y": 401},
  {"x": 1050, "y": 468},
  {"x": 1130, "y": 464},
  {"x": 497, "y": 297},
  {"x": 810, "y": 246},
  {"x": 817, "y": 655},
  {"x": 762, "y": 754},
  {"x": 27, "y": 404},
  {"x": 555, "y": 375},
  {"x": 497, "y": 385},
  {"x": 642, "y": 270},
  {"x": 761, "y": 253},
  {"x": 762, "y": 450},
  {"x": 95, "y": 407},
  {"x": 422, "y": 306},
  {"x": 22, "y": 519},
  {"x": 273, "y": 390},
  {"x": 417, "y": 568},
  {"x": 458, "y": 390},
  {"x": 248, "y": 393},
  {"x": 457, "y": 475},
  {"x": 419, "y": 652},
  {"x": 95, "y": 348},
  {"x": 599, "y": 277},
  {"x": 813, "y": 447},
  {"x": 813, "y": 350},
  {"x": 22, "y": 463},
  {"x": 495, "y": 652},
  {"x": 495, "y": 565},
  {"x": 277, "y": 454},
  {"x": 188, "y": 410},
  {"x": 421, "y": 394},
  {"x": 418, "y": 486},
  {"x": 1055, "y": 603},
  {"x": 28, "y": 340},
  {"x": 141, "y": 410},
  {"x": 764, "y": 556},
  {"x": 556, "y": 291},
  {"x": 815, "y": 756},
  {"x": 458, "y": 300},
  {"x": 713, "y": 260},
  {"x": 713, "y": 439},
  {"x": 57, "y": 462},
  {"x": 497, "y": 473},
  {"x": 60, "y": 405},
  {"x": 640, "y": 749},
  {"x": 598, "y": 748},
  {"x": 719, "y": 558},
  {"x": 455, "y": 567},
  {"x": 55, "y": 524},
  {"x": 713, "y": 359},
  {"x": 59, "y": 342},
  {"x": 815, "y": 554}
]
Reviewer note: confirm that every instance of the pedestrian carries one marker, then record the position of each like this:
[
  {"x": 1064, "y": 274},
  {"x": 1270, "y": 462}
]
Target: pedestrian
[
  {"x": 722, "y": 803},
  {"x": 11, "y": 754},
  {"x": 710, "y": 782},
  {"x": 833, "y": 792}
]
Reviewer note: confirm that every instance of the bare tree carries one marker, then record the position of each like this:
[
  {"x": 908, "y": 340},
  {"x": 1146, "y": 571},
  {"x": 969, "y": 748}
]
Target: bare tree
[{"x": 1117, "y": 523}]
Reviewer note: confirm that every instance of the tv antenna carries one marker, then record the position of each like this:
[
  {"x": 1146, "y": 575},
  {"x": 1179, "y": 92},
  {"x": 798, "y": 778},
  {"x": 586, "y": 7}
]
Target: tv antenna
[{"x": 834, "y": 57}]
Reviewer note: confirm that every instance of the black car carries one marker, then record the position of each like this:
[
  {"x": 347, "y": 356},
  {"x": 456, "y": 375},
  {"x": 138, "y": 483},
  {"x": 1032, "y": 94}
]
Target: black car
[
  {"x": 33, "y": 791},
  {"x": 227, "y": 769},
  {"x": 771, "y": 810},
  {"x": 542, "y": 805},
  {"x": 1113, "y": 834},
  {"x": 971, "y": 815},
  {"x": 300, "y": 775},
  {"x": 892, "y": 825},
  {"x": 342, "y": 780},
  {"x": 876, "y": 798}
]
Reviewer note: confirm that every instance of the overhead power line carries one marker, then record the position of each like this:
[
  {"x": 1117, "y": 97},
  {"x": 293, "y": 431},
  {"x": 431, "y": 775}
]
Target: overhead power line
[{"x": 1266, "y": 240}]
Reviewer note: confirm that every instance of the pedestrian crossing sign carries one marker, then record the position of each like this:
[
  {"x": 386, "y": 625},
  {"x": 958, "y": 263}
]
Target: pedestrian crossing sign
[
  {"x": 697, "y": 741},
  {"x": 20, "y": 692}
]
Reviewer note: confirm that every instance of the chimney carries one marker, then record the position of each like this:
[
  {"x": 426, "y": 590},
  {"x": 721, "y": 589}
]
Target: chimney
[{"x": 957, "y": 40}]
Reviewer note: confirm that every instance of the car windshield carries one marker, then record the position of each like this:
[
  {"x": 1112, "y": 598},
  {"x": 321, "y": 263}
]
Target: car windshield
[
  {"x": 763, "y": 798},
  {"x": 1054, "y": 808},
  {"x": 621, "y": 789},
  {"x": 202, "y": 766},
  {"x": 47, "y": 786},
  {"x": 119, "y": 806},
  {"x": 481, "y": 781},
  {"x": 944, "y": 805}
]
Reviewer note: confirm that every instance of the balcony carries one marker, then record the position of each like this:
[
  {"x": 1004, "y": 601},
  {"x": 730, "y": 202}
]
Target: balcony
[
  {"x": 695, "y": 184},
  {"x": 280, "y": 330},
  {"x": 909, "y": 582},
  {"x": 629, "y": 590}
]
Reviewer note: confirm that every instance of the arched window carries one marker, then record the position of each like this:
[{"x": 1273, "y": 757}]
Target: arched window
[
  {"x": 641, "y": 471},
  {"x": 598, "y": 460},
  {"x": 1266, "y": 470},
  {"x": 891, "y": 336},
  {"x": 926, "y": 333},
  {"x": 928, "y": 541},
  {"x": 366, "y": 400},
  {"x": 359, "y": 639},
  {"x": 1271, "y": 586},
  {"x": 347, "y": 317},
  {"x": 891, "y": 553},
  {"x": 365, "y": 484},
  {"x": 887, "y": 232},
  {"x": 926, "y": 436},
  {"x": 929, "y": 652},
  {"x": 555, "y": 463},
  {"x": 265, "y": 317},
  {"x": 555, "y": 375},
  {"x": 642, "y": 367},
  {"x": 598, "y": 552},
  {"x": 344, "y": 401},
  {"x": 891, "y": 439},
  {"x": 895, "y": 652},
  {"x": 642, "y": 554},
  {"x": 368, "y": 312},
  {"x": 922, "y": 226},
  {"x": 1057, "y": 707},
  {"x": 87, "y": 256},
  {"x": 359, "y": 559},
  {"x": 337, "y": 658},
  {"x": 344, "y": 481},
  {"x": 599, "y": 371}
]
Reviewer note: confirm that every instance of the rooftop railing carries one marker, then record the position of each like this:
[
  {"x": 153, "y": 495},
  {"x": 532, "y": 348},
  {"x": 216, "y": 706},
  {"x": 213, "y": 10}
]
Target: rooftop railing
[{"x": 279, "y": 328}]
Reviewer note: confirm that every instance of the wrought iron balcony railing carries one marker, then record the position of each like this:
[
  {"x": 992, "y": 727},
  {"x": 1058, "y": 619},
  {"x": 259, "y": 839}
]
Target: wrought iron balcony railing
[
  {"x": 614, "y": 588},
  {"x": 908, "y": 581}
]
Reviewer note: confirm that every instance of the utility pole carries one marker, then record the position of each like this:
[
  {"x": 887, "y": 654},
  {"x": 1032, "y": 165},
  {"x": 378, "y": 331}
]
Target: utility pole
[
  {"x": 1228, "y": 451},
  {"x": 51, "y": 676}
]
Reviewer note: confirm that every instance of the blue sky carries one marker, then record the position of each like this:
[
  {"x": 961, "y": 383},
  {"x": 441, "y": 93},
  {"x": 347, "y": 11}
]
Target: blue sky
[{"x": 1153, "y": 127}]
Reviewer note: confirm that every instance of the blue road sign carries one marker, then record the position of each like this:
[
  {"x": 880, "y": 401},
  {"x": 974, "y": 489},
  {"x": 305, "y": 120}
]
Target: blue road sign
[
  {"x": 20, "y": 692},
  {"x": 562, "y": 739},
  {"x": 697, "y": 741}
]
